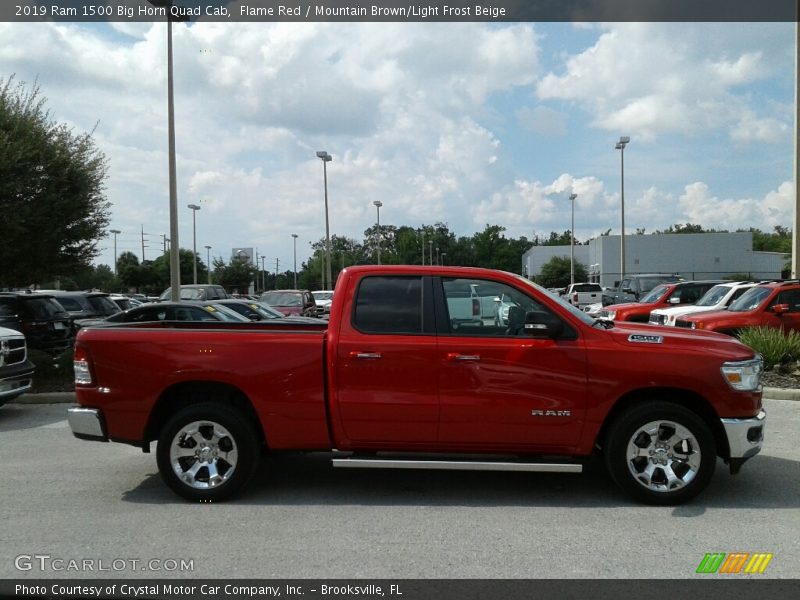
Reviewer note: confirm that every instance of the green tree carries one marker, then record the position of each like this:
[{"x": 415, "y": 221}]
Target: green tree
[
  {"x": 555, "y": 273},
  {"x": 53, "y": 210},
  {"x": 236, "y": 276}
]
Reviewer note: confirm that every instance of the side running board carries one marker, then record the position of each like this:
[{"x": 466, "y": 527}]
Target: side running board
[{"x": 455, "y": 465}]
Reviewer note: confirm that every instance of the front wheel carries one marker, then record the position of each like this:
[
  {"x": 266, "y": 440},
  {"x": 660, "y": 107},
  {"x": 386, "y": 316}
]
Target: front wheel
[
  {"x": 660, "y": 453},
  {"x": 207, "y": 452}
]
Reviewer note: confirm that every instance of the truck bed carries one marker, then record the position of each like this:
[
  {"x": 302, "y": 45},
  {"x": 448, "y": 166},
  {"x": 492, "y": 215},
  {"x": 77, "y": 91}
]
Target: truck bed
[{"x": 150, "y": 362}]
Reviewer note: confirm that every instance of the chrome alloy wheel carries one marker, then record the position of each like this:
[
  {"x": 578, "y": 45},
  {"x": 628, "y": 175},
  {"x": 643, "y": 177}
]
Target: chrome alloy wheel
[
  {"x": 663, "y": 456},
  {"x": 203, "y": 455}
]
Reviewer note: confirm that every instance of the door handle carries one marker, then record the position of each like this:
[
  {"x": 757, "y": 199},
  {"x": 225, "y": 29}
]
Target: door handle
[
  {"x": 463, "y": 357},
  {"x": 366, "y": 355}
]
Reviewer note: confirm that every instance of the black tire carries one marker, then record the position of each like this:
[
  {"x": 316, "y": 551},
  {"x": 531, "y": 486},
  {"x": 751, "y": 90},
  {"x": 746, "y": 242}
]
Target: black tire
[
  {"x": 222, "y": 442},
  {"x": 678, "y": 448}
]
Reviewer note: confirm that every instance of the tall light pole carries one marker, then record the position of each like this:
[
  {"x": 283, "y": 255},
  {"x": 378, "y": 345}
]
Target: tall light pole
[
  {"x": 326, "y": 158},
  {"x": 208, "y": 262},
  {"x": 174, "y": 255},
  {"x": 378, "y": 205},
  {"x": 423, "y": 247},
  {"x": 194, "y": 208},
  {"x": 115, "y": 232},
  {"x": 430, "y": 252},
  {"x": 294, "y": 243},
  {"x": 623, "y": 141},
  {"x": 572, "y": 242},
  {"x": 443, "y": 255}
]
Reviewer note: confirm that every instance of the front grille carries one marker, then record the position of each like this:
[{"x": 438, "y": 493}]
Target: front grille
[
  {"x": 12, "y": 351},
  {"x": 685, "y": 324}
]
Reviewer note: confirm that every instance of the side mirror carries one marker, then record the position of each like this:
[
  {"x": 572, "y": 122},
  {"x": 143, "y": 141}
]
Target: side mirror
[
  {"x": 674, "y": 300},
  {"x": 780, "y": 309},
  {"x": 496, "y": 299},
  {"x": 627, "y": 290},
  {"x": 540, "y": 324}
]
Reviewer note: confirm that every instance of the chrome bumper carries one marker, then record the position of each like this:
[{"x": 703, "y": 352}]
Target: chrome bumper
[
  {"x": 87, "y": 423},
  {"x": 745, "y": 436}
]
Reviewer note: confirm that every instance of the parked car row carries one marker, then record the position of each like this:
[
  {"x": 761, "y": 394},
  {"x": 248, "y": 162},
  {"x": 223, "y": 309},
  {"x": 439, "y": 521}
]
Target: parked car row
[{"x": 722, "y": 306}]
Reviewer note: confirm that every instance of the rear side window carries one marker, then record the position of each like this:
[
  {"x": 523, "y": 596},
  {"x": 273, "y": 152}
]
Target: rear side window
[
  {"x": 71, "y": 304},
  {"x": 587, "y": 287},
  {"x": 389, "y": 305},
  {"x": 103, "y": 305}
]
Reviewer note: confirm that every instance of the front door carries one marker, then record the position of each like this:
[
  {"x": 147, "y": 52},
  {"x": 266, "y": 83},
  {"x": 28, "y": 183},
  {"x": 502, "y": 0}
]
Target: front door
[{"x": 503, "y": 390}]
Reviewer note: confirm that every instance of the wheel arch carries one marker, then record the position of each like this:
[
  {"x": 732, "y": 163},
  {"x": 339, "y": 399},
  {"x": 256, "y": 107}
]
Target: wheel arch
[
  {"x": 180, "y": 395},
  {"x": 686, "y": 398}
]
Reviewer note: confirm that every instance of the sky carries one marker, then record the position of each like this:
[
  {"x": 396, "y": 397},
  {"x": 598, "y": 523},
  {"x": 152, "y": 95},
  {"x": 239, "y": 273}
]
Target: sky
[{"x": 467, "y": 124}]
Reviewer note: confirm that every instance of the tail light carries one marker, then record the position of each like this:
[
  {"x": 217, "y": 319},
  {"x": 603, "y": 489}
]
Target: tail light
[
  {"x": 575, "y": 297},
  {"x": 476, "y": 307},
  {"x": 82, "y": 365}
]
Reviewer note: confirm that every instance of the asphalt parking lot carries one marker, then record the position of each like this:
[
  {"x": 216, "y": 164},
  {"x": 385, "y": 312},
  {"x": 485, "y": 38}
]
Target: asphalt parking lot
[{"x": 70, "y": 499}]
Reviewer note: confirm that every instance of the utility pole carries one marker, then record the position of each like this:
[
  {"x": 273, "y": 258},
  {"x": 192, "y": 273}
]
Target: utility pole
[
  {"x": 276, "y": 273},
  {"x": 143, "y": 246},
  {"x": 263, "y": 274}
]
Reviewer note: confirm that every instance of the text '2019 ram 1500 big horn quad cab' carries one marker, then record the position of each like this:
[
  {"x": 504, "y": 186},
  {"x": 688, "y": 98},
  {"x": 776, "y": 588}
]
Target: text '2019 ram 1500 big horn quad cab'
[{"x": 394, "y": 381}]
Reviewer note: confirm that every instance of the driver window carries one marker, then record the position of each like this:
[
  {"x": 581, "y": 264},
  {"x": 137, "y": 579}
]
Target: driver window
[{"x": 486, "y": 308}]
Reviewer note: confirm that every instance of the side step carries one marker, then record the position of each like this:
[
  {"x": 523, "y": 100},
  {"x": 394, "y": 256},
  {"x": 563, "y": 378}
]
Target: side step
[{"x": 455, "y": 465}]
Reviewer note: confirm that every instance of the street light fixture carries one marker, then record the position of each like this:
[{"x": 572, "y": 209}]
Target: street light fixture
[
  {"x": 378, "y": 205},
  {"x": 194, "y": 208},
  {"x": 294, "y": 242},
  {"x": 115, "y": 232},
  {"x": 572, "y": 242},
  {"x": 208, "y": 261},
  {"x": 623, "y": 141},
  {"x": 326, "y": 158}
]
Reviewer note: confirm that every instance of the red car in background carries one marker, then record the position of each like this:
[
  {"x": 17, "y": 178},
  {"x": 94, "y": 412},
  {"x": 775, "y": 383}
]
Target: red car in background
[
  {"x": 775, "y": 304},
  {"x": 291, "y": 302},
  {"x": 661, "y": 296}
]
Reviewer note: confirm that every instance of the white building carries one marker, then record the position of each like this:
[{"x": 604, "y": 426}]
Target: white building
[{"x": 690, "y": 255}]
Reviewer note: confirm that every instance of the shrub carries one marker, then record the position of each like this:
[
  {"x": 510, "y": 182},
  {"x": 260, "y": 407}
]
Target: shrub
[{"x": 775, "y": 345}]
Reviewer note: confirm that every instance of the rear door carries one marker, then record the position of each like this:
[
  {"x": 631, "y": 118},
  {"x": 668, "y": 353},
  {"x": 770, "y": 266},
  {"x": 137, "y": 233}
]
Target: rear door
[
  {"x": 500, "y": 388},
  {"x": 385, "y": 373}
]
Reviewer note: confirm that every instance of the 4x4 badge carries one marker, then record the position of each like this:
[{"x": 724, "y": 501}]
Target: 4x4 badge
[{"x": 645, "y": 339}]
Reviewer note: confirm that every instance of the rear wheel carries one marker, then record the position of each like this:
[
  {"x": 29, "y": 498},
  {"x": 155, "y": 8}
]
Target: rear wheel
[
  {"x": 660, "y": 453},
  {"x": 207, "y": 452}
]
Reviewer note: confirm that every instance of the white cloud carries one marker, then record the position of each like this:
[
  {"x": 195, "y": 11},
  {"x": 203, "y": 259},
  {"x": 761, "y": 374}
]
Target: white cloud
[{"x": 652, "y": 79}]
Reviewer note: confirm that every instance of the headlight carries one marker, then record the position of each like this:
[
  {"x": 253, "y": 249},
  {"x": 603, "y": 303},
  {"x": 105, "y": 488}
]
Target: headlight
[
  {"x": 611, "y": 314},
  {"x": 745, "y": 375}
]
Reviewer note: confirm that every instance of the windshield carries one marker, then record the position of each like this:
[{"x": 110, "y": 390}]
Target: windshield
[
  {"x": 563, "y": 303},
  {"x": 750, "y": 299},
  {"x": 322, "y": 295},
  {"x": 714, "y": 296},
  {"x": 103, "y": 305},
  {"x": 274, "y": 314},
  {"x": 283, "y": 298},
  {"x": 655, "y": 294},
  {"x": 228, "y": 314}
]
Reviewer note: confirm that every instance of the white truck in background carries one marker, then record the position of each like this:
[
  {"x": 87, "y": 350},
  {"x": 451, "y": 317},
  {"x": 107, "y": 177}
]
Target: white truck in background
[{"x": 583, "y": 294}]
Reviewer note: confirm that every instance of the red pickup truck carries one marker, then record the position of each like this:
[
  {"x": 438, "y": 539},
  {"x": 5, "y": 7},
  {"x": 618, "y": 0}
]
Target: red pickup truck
[{"x": 394, "y": 381}]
